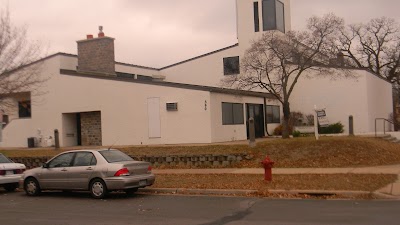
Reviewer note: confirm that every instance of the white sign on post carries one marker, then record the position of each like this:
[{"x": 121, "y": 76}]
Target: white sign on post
[{"x": 322, "y": 118}]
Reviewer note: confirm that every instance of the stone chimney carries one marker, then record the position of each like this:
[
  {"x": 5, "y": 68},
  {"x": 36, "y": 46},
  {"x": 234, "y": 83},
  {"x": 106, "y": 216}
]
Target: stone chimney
[{"x": 96, "y": 55}]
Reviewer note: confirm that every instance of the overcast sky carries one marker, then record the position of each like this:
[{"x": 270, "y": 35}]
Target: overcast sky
[{"x": 157, "y": 33}]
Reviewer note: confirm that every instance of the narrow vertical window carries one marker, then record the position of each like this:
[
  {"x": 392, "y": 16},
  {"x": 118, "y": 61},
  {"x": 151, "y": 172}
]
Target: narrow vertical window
[
  {"x": 256, "y": 17},
  {"x": 280, "y": 16},
  {"x": 269, "y": 17},
  {"x": 273, "y": 15}
]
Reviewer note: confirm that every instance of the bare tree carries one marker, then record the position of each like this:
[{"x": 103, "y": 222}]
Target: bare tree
[
  {"x": 19, "y": 69},
  {"x": 374, "y": 46},
  {"x": 277, "y": 61}
]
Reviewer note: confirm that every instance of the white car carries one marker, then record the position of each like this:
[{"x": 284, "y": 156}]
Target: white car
[{"x": 10, "y": 173}]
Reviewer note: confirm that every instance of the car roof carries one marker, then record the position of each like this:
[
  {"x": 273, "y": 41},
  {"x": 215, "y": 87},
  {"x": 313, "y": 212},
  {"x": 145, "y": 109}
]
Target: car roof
[{"x": 90, "y": 150}]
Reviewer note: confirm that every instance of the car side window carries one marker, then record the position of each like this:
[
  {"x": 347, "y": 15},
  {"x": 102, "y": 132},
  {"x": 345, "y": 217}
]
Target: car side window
[
  {"x": 84, "y": 159},
  {"x": 63, "y": 160}
]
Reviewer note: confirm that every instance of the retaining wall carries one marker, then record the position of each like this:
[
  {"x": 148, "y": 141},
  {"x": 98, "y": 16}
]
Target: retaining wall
[{"x": 177, "y": 160}]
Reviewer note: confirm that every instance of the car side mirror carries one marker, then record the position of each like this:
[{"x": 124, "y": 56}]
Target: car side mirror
[{"x": 45, "y": 165}]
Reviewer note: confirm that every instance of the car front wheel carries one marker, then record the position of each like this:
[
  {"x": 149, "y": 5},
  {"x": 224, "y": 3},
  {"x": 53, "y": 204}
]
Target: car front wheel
[
  {"x": 98, "y": 188},
  {"x": 31, "y": 187}
]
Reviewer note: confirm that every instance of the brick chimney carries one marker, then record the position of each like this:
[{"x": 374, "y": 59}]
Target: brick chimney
[{"x": 96, "y": 55}]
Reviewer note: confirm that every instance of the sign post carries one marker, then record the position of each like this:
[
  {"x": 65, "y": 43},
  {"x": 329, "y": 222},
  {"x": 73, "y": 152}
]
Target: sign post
[
  {"x": 316, "y": 123},
  {"x": 1, "y": 126}
]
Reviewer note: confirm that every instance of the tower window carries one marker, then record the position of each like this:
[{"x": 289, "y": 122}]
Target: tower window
[
  {"x": 273, "y": 15},
  {"x": 256, "y": 17}
]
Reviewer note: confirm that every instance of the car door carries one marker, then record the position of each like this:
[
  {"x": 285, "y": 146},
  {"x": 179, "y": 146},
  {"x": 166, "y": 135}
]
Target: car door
[
  {"x": 55, "y": 175},
  {"x": 80, "y": 173}
]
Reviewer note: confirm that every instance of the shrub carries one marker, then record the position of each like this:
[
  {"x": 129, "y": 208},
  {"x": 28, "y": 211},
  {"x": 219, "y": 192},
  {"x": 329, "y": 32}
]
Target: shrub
[
  {"x": 278, "y": 130},
  {"x": 296, "y": 133},
  {"x": 335, "y": 128}
]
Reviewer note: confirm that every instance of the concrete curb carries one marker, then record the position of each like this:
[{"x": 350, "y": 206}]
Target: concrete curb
[
  {"x": 385, "y": 196},
  {"x": 320, "y": 192},
  {"x": 377, "y": 195},
  {"x": 197, "y": 191}
]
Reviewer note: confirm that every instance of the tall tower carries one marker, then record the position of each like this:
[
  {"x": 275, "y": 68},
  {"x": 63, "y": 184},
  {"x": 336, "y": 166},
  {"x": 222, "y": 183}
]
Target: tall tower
[{"x": 254, "y": 17}]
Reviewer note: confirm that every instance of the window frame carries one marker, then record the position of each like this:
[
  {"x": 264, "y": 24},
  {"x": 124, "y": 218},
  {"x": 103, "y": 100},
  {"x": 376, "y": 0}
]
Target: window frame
[
  {"x": 256, "y": 13},
  {"x": 270, "y": 114},
  {"x": 229, "y": 67},
  {"x": 268, "y": 5},
  {"x": 232, "y": 117},
  {"x": 62, "y": 155},
  {"x": 91, "y": 163},
  {"x": 24, "y": 112}
]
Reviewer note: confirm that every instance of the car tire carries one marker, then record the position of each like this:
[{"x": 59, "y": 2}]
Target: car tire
[
  {"x": 32, "y": 187},
  {"x": 131, "y": 191},
  {"x": 98, "y": 188},
  {"x": 11, "y": 187}
]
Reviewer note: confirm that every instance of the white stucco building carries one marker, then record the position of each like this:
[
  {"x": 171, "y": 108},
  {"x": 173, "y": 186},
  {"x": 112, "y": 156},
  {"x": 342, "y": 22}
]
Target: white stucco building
[{"x": 93, "y": 100}]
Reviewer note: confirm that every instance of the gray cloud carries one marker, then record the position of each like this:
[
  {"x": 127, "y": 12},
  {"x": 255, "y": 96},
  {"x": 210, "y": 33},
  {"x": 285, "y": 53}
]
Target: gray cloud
[{"x": 159, "y": 32}]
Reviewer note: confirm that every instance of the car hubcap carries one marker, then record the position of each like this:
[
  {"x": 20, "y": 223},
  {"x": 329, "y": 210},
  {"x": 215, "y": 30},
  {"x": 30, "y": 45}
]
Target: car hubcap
[
  {"x": 97, "y": 189},
  {"x": 31, "y": 187}
]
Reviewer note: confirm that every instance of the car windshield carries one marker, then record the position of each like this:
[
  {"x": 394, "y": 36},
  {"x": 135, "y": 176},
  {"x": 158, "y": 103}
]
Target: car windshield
[
  {"x": 4, "y": 159},
  {"x": 115, "y": 156}
]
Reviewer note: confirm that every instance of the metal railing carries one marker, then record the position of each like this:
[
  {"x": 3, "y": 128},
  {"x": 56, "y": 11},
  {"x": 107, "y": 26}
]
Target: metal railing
[{"x": 384, "y": 125}]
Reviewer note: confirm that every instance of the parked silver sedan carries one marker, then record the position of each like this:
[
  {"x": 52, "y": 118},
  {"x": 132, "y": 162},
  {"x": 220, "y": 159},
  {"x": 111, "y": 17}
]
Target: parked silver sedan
[
  {"x": 10, "y": 173},
  {"x": 98, "y": 171}
]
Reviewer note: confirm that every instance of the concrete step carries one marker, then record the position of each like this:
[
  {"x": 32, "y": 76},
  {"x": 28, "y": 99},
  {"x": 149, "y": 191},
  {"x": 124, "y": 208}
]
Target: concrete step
[{"x": 390, "y": 138}]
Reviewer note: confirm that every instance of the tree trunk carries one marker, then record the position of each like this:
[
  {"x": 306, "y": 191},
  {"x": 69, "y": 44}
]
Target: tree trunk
[
  {"x": 396, "y": 97},
  {"x": 286, "y": 117}
]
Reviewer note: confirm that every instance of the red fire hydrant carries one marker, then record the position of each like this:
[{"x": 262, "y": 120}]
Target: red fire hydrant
[{"x": 267, "y": 164}]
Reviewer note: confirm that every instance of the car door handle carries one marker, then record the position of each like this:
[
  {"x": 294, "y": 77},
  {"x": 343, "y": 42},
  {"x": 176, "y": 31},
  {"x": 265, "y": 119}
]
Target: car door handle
[
  {"x": 90, "y": 168},
  {"x": 64, "y": 170}
]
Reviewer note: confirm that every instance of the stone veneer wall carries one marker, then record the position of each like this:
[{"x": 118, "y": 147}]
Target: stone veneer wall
[
  {"x": 91, "y": 128},
  {"x": 177, "y": 160}
]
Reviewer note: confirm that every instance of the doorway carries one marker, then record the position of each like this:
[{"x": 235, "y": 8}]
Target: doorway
[{"x": 257, "y": 112}]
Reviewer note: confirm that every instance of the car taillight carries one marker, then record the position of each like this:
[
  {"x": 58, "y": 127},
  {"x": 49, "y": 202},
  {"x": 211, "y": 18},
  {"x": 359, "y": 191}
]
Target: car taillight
[
  {"x": 122, "y": 172},
  {"x": 19, "y": 171},
  {"x": 149, "y": 169},
  {"x": 2, "y": 172}
]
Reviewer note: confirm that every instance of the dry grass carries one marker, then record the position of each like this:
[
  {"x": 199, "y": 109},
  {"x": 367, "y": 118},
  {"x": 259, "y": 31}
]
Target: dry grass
[
  {"x": 297, "y": 152},
  {"x": 348, "y": 182}
]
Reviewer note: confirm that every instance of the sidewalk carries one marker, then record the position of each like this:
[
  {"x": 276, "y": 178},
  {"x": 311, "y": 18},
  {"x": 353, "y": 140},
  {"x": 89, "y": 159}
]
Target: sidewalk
[
  {"x": 390, "y": 191},
  {"x": 395, "y": 169}
]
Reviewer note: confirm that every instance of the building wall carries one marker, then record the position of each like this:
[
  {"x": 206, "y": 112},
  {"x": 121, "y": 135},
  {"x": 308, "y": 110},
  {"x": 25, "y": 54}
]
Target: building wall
[
  {"x": 71, "y": 63},
  {"x": 220, "y": 132},
  {"x": 123, "y": 107},
  {"x": 207, "y": 70},
  {"x": 70, "y": 131},
  {"x": 40, "y": 125},
  {"x": 344, "y": 97},
  {"x": 380, "y": 101}
]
